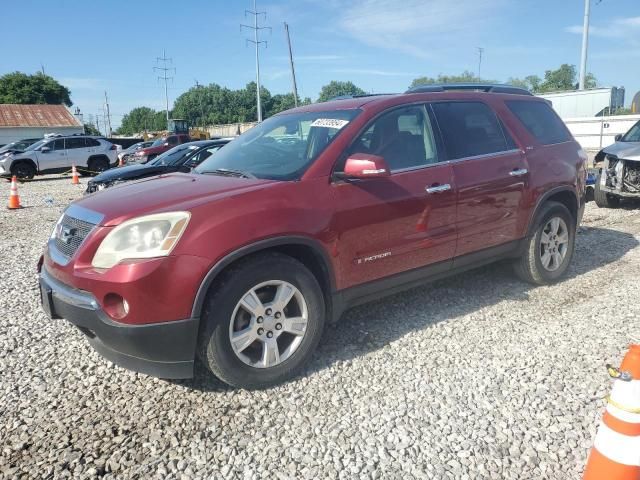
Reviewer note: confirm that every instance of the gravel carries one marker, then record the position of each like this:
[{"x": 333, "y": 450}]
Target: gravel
[{"x": 475, "y": 377}]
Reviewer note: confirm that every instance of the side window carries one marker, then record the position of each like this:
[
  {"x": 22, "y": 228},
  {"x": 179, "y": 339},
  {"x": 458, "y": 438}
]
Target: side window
[
  {"x": 172, "y": 140},
  {"x": 403, "y": 137},
  {"x": 74, "y": 143},
  {"x": 470, "y": 129},
  {"x": 92, "y": 142},
  {"x": 57, "y": 144},
  {"x": 202, "y": 155},
  {"x": 540, "y": 120}
]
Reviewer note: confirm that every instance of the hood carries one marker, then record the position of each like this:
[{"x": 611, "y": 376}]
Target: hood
[
  {"x": 148, "y": 150},
  {"x": 623, "y": 149},
  {"x": 129, "y": 172},
  {"x": 177, "y": 191}
]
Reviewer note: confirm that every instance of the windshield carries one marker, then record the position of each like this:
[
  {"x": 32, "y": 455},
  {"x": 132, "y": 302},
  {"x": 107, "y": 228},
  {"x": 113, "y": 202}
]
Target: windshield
[
  {"x": 175, "y": 155},
  {"x": 632, "y": 135},
  {"x": 158, "y": 142},
  {"x": 37, "y": 145},
  {"x": 282, "y": 147}
]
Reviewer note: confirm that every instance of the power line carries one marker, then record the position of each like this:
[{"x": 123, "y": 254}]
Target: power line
[
  {"x": 293, "y": 71},
  {"x": 164, "y": 69},
  {"x": 257, "y": 43}
]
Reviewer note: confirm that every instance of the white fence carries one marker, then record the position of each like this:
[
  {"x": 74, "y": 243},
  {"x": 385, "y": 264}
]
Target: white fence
[
  {"x": 593, "y": 133},
  {"x": 229, "y": 130}
]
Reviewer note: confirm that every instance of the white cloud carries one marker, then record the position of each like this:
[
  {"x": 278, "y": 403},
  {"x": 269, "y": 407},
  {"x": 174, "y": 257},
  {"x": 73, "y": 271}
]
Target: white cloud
[
  {"x": 623, "y": 28},
  {"x": 415, "y": 26}
]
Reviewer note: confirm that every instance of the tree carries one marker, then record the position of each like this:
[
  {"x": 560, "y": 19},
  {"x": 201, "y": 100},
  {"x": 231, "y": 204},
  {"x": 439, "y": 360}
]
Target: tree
[
  {"x": 142, "y": 118},
  {"x": 337, "y": 89},
  {"x": 18, "y": 87},
  {"x": 90, "y": 129},
  {"x": 530, "y": 82},
  {"x": 464, "y": 77},
  {"x": 564, "y": 78}
]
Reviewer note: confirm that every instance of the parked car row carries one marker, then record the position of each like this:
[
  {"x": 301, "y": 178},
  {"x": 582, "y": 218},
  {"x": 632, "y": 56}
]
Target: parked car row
[
  {"x": 182, "y": 158},
  {"x": 243, "y": 261},
  {"x": 57, "y": 154}
]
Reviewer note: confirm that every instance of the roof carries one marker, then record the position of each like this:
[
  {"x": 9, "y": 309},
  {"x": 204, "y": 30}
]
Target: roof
[{"x": 12, "y": 115}]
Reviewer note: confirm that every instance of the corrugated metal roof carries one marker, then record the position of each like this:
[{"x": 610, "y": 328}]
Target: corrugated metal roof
[{"x": 12, "y": 115}]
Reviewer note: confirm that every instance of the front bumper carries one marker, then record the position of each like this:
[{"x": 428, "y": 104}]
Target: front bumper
[{"x": 165, "y": 350}]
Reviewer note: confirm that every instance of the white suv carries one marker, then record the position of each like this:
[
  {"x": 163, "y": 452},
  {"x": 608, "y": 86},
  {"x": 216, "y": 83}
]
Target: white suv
[{"x": 54, "y": 155}]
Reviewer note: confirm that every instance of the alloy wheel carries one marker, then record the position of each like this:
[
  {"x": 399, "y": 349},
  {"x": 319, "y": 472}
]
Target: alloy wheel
[
  {"x": 268, "y": 324},
  {"x": 554, "y": 244}
]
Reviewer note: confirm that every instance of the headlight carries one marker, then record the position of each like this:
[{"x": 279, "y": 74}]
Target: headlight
[{"x": 143, "y": 237}]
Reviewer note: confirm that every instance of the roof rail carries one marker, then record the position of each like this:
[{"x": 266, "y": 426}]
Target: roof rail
[
  {"x": 474, "y": 87},
  {"x": 345, "y": 97}
]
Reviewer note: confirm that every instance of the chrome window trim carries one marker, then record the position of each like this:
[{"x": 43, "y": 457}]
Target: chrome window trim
[{"x": 463, "y": 159}]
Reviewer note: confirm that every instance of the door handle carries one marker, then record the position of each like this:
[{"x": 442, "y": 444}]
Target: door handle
[
  {"x": 438, "y": 188},
  {"x": 518, "y": 172}
]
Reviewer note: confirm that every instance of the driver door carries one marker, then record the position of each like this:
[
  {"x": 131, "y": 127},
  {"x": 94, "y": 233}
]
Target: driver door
[
  {"x": 55, "y": 158},
  {"x": 403, "y": 222}
]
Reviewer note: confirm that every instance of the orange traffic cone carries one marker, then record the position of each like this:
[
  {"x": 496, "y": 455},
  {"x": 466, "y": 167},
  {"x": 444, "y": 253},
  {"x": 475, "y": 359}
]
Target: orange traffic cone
[
  {"x": 616, "y": 450},
  {"x": 74, "y": 176},
  {"x": 14, "y": 199}
]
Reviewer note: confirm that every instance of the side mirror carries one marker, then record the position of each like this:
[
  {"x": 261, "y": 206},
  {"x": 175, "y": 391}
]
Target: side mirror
[
  {"x": 45, "y": 149},
  {"x": 363, "y": 165},
  {"x": 618, "y": 137}
]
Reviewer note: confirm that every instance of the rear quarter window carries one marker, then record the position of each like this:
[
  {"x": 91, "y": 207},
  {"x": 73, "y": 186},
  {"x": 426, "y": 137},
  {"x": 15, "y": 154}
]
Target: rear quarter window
[{"x": 540, "y": 120}]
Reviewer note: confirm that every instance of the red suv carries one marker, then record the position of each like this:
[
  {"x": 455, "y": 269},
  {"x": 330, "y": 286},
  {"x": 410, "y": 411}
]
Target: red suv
[
  {"x": 158, "y": 147},
  {"x": 314, "y": 210}
]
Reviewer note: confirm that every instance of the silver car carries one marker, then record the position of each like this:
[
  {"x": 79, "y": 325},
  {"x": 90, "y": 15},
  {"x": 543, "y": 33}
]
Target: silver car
[
  {"x": 619, "y": 170},
  {"x": 52, "y": 155}
]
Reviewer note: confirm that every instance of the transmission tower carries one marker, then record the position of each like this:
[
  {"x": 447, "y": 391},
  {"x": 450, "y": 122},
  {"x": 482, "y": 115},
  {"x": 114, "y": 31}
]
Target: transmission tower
[
  {"x": 256, "y": 29},
  {"x": 164, "y": 69}
]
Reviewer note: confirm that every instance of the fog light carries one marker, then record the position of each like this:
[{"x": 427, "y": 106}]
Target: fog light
[{"x": 115, "y": 306}]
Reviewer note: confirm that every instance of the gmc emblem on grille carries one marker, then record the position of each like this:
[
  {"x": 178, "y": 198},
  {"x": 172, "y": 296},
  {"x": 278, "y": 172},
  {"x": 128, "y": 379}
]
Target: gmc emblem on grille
[{"x": 67, "y": 233}]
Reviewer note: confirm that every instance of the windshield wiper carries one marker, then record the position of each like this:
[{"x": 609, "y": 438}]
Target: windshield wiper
[{"x": 226, "y": 172}]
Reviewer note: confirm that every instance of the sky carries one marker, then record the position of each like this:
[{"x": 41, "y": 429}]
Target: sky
[{"x": 381, "y": 45}]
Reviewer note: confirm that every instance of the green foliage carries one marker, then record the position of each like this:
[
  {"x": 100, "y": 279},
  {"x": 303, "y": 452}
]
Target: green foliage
[
  {"x": 213, "y": 104},
  {"x": 18, "y": 87},
  {"x": 464, "y": 77},
  {"x": 90, "y": 129},
  {"x": 142, "y": 119},
  {"x": 337, "y": 89},
  {"x": 530, "y": 82}
]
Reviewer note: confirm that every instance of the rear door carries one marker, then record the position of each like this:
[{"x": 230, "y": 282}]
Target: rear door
[
  {"x": 77, "y": 152},
  {"x": 402, "y": 222},
  {"x": 491, "y": 174}
]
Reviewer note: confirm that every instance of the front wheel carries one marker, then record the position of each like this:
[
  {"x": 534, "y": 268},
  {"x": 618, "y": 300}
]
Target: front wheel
[
  {"x": 262, "y": 321},
  {"x": 23, "y": 170},
  {"x": 549, "y": 249},
  {"x": 604, "y": 199}
]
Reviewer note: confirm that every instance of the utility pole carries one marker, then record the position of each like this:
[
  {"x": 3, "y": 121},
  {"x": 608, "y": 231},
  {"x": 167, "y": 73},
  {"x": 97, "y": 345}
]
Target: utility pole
[
  {"x": 480, "y": 52},
  {"x": 164, "y": 69},
  {"x": 108, "y": 115},
  {"x": 585, "y": 45},
  {"x": 198, "y": 88},
  {"x": 257, "y": 43},
  {"x": 293, "y": 71}
]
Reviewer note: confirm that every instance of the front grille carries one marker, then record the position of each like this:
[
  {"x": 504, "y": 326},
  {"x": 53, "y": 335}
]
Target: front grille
[{"x": 70, "y": 234}]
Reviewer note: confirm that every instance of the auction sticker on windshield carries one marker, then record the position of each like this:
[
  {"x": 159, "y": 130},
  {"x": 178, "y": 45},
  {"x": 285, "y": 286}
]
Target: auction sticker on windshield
[{"x": 330, "y": 123}]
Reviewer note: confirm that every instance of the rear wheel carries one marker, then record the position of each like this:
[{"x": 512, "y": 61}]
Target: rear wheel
[
  {"x": 97, "y": 165},
  {"x": 549, "y": 249},
  {"x": 262, "y": 321},
  {"x": 23, "y": 170},
  {"x": 604, "y": 199}
]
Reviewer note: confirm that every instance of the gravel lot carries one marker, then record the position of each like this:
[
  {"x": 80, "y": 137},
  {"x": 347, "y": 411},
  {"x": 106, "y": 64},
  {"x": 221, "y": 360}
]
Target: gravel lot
[{"x": 478, "y": 376}]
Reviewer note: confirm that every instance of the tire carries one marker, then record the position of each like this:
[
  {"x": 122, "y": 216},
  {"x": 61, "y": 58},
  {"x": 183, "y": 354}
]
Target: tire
[
  {"x": 531, "y": 267},
  {"x": 97, "y": 165},
  {"x": 604, "y": 199},
  {"x": 223, "y": 316},
  {"x": 23, "y": 170}
]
